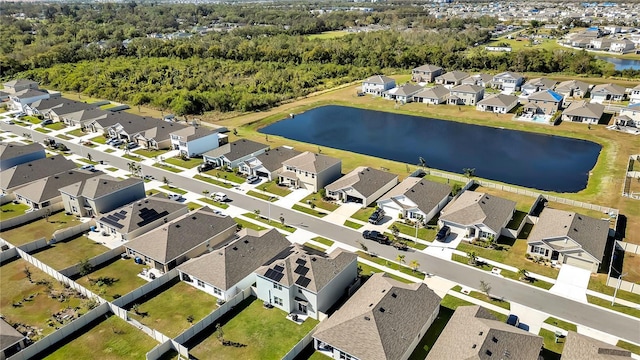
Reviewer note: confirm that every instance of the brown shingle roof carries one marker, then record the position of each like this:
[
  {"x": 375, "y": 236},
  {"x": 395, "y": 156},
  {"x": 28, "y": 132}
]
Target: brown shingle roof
[
  {"x": 585, "y": 109},
  {"x": 8, "y": 335},
  {"x": 580, "y": 347},
  {"x": 311, "y": 162},
  {"x": 473, "y": 208},
  {"x": 141, "y": 212},
  {"x": 424, "y": 193},
  {"x": 364, "y": 180}
]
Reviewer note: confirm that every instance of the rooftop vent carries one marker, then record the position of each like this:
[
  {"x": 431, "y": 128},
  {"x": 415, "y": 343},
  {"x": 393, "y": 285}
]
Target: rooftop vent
[
  {"x": 246, "y": 241},
  {"x": 235, "y": 248},
  {"x": 480, "y": 333},
  {"x": 177, "y": 225},
  {"x": 382, "y": 310},
  {"x": 488, "y": 352},
  {"x": 367, "y": 318},
  {"x": 194, "y": 218},
  {"x": 393, "y": 295},
  {"x": 495, "y": 340},
  {"x": 473, "y": 346}
]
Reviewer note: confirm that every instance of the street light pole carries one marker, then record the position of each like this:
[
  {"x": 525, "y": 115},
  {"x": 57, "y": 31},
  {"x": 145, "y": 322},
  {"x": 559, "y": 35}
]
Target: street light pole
[{"x": 613, "y": 301}]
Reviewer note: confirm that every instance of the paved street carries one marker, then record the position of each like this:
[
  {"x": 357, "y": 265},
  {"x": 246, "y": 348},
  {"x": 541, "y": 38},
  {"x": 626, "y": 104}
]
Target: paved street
[{"x": 597, "y": 318}]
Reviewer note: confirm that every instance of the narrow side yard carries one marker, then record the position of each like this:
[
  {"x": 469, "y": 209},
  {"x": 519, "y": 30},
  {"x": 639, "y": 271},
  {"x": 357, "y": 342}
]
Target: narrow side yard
[{"x": 37, "y": 229}]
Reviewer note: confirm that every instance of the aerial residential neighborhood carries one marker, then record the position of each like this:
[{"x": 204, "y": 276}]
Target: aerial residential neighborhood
[{"x": 320, "y": 181}]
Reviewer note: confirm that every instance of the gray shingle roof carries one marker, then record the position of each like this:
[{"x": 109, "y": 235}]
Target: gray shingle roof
[
  {"x": 608, "y": 89},
  {"x": 585, "y": 109},
  {"x": 436, "y": 92},
  {"x": 454, "y": 76},
  {"x": 542, "y": 83},
  {"x": 424, "y": 193},
  {"x": 428, "y": 68},
  {"x": 8, "y": 335},
  {"x": 311, "y": 162},
  {"x": 406, "y": 90},
  {"x": 321, "y": 270},
  {"x": 272, "y": 159},
  {"x": 86, "y": 115},
  {"x": 142, "y": 212},
  {"x": 581, "y": 347},
  {"x": 379, "y": 79},
  {"x": 467, "y": 88},
  {"x": 590, "y": 233},
  {"x": 567, "y": 86},
  {"x": 498, "y": 100},
  {"x": 67, "y": 107},
  {"x": 364, "y": 180},
  {"x": 381, "y": 320},
  {"x": 507, "y": 75},
  {"x": 98, "y": 186},
  {"x": 19, "y": 82},
  {"x": 27, "y": 93},
  {"x": 176, "y": 238},
  {"x": 13, "y": 149},
  {"x": 160, "y": 130},
  {"x": 49, "y": 187},
  {"x": 472, "y": 208},
  {"x": 31, "y": 171},
  {"x": 474, "y": 333},
  {"x": 225, "y": 267},
  {"x": 50, "y": 103},
  {"x": 236, "y": 150}
]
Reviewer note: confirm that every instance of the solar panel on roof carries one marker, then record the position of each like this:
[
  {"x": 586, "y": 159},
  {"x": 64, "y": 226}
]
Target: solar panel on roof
[
  {"x": 273, "y": 275},
  {"x": 301, "y": 261},
  {"x": 278, "y": 268},
  {"x": 303, "y": 281},
  {"x": 301, "y": 269},
  {"x": 112, "y": 222},
  {"x": 119, "y": 216}
]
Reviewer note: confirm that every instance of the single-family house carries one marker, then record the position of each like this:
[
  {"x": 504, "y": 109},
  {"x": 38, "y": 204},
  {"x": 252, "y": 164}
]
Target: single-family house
[
  {"x": 378, "y": 84},
  {"x": 498, "y": 103},
  {"x": 130, "y": 126},
  {"x": 11, "y": 340},
  {"x": 581, "y": 42},
  {"x": 569, "y": 238},
  {"x": 18, "y": 85},
  {"x": 55, "y": 110},
  {"x": 545, "y": 102},
  {"x": 451, "y": 78},
  {"x": 306, "y": 284},
  {"x": 27, "y": 172},
  {"x": 184, "y": 238},
  {"x": 477, "y": 215},
  {"x": 100, "y": 194},
  {"x": 573, "y": 89},
  {"x": 158, "y": 136},
  {"x": 310, "y": 171},
  {"x": 227, "y": 271},
  {"x": 474, "y": 333},
  {"x": 4, "y": 96},
  {"x": 136, "y": 218},
  {"x": 508, "y": 82},
  {"x": 629, "y": 116},
  {"x": 580, "y": 347},
  {"x": 363, "y": 185},
  {"x": 432, "y": 95},
  {"x": 607, "y": 92},
  {"x": 483, "y": 80},
  {"x": 537, "y": 84},
  {"x": 403, "y": 93},
  {"x": 194, "y": 141},
  {"x": 46, "y": 191},
  {"x": 416, "y": 199},
  {"x": 634, "y": 95},
  {"x": 584, "y": 112},
  {"x": 39, "y": 107},
  {"x": 426, "y": 73},
  {"x": 465, "y": 95},
  {"x": 235, "y": 153},
  {"x": 18, "y": 100},
  {"x": 602, "y": 44},
  {"x": 622, "y": 46},
  {"x": 83, "y": 117},
  {"x": 269, "y": 163},
  {"x": 383, "y": 320},
  {"x": 13, "y": 153}
]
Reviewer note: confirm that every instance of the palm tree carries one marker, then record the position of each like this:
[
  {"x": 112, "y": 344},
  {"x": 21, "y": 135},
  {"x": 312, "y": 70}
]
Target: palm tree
[
  {"x": 400, "y": 258},
  {"x": 524, "y": 274},
  {"x": 485, "y": 287},
  {"x": 396, "y": 232},
  {"x": 422, "y": 162},
  {"x": 469, "y": 172},
  {"x": 165, "y": 180},
  {"x": 473, "y": 258},
  {"x": 414, "y": 264},
  {"x": 282, "y": 220},
  {"x": 363, "y": 246}
]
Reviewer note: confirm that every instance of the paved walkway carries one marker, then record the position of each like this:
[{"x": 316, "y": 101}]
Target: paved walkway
[
  {"x": 343, "y": 213},
  {"x": 293, "y": 198},
  {"x": 572, "y": 283}
]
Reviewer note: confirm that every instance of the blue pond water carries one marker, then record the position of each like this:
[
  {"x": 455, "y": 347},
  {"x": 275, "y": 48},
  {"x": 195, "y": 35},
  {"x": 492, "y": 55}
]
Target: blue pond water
[
  {"x": 621, "y": 64},
  {"x": 537, "y": 161}
]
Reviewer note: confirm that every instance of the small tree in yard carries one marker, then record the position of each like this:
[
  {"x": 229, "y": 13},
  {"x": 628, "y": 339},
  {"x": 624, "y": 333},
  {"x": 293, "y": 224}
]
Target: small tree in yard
[
  {"x": 257, "y": 212},
  {"x": 524, "y": 274},
  {"x": 190, "y": 319},
  {"x": 219, "y": 333},
  {"x": 469, "y": 172},
  {"x": 165, "y": 180},
  {"x": 396, "y": 232},
  {"x": 473, "y": 258},
  {"x": 414, "y": 264},
  {"x": 282, "y": 220},
  {"x": 85, "y": 267},
  {"x": 27, "y": 272},
  {"x": 400, "y": 258},
  {"x": 485, "y": 287}
]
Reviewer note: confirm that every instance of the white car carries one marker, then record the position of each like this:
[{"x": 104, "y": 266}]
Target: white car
[
  {"x": 88, "y": 167},
  {"x": 219, "y": 197},
  {"x": 176, "y": 197}
]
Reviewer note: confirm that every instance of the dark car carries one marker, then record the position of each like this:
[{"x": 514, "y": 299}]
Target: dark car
[
  {"x": 205, "y": 167},
  {"x": 376, "y": 216},
  {"x": 400, "y": 246},
  {"x": 443, "y": 233},
  {"x": 252, "y": 179},
  {"x": 513, "y": 320},
  {"x": 375, "y": 236}
]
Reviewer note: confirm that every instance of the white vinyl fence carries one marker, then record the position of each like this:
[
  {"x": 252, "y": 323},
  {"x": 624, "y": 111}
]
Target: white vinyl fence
[
  {"x": 72, "y": 231},
  {"x": 30, "y": 216},
  {"x": 297, "y": 349},
  {"x": 145, "y": 289},
  {"x": 94, "y": 261}
]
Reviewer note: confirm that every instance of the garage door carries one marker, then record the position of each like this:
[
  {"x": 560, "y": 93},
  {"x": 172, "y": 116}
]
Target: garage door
[
  {"x": 581, "y": 263},
  {"x": 307, "y": 186},
  {"x": 262, "y": 174},
  {"x": 354, "y": 199}
]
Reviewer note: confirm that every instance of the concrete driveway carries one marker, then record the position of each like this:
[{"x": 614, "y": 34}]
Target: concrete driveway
[
  {"x": 572, "y": 283},
  {"x": 444, "y": 249}
]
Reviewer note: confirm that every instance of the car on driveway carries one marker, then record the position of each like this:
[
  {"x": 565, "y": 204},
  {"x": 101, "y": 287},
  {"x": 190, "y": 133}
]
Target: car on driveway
[
  {"x": 376, "y": 236},
  {"x": 443, "y": 233},
  {"x": 8, "y": 122},
  {"x": 117, "y": 142},
  {"x": 513, "y": 320},
  {"x": 376, "y": 216},
  {"x": 253, "y": 179},
  {"x": 176, "y": 197},
  {"x": 46, "y": 122}
]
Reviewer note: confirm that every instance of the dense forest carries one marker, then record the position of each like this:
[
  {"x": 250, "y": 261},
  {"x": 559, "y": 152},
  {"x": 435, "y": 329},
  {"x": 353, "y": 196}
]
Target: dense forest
[{"x": 261, "y": 56}]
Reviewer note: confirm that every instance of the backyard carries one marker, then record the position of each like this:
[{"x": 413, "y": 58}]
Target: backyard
[
  {"x": 110, "y": 339},
  {"x": 266, "y": 333},
  {"x": 170, "y": 308},
  {"x": 116, "y": 277},
  {"x": 11, "y": 210},
  {"x": 42, "y": 228},
  {"x": 69, "y": 252}
]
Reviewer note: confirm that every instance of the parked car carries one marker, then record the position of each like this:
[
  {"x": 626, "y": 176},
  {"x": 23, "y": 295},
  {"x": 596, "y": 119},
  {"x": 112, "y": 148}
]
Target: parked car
[
  {"x": 377, "y": 216},
  {"x": 19, "y": 115},
  {"x": 117, "y": 142},
  {"x": 110, "y": 141},
  {"x": 513, "y": 320},
  {"x": 375, "y": 236},
  {"x": 88, "y": 167},
  {"x": 132, "y": 145},
  {"x": 148, "y": 177},
  {"x": 443, "y": 233},
  {"x": 8, "y": 122},
  {"x": 253, "y": 179},
  {"x": 219, "y": 197},
  {"x": 205, "y": 167},
  {"x": 46, "y": 122},
  {"x": 176, "y": 197}
]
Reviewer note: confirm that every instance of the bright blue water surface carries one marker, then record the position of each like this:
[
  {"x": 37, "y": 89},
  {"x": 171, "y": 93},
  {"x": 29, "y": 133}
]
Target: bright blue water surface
[
  {"x": 537, "y": 161},
  {"x": 621, "y": 64}
]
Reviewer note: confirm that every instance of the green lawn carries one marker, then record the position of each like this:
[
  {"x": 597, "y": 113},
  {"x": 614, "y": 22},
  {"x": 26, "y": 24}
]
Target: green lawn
[
  {"x": 366, "y": 270},
  {"x": 274, "y": 188},
  {"x": 274, "y": 222},
  {"x": 505, "y": 273},
  {"x": 87, "y": 161},
  {"x": 430, "y": 337},
  {"x": 267, "y": 334},
  {"x": 132, "y": 157},
  {"x": 226, "y": 175},
  {"x": 363, "y": 214},
  {"x": 173, "y": 189},
  {"x": 76, "y": 133},
  {"x": 551, "y": 350},
  {"x": 42, "y": 130},
  {"x": 11, "y": 210},
  {"x": 35, "y": 230},
  {"x": 628, "y": 346},
  {"x": 483, "y": 297},
  {"x": 168, "y": 310},
  {"x": 150, "y": 153},
  {"x": 561, "y": 324},
  {"x": 323, "y": 241},
  {"x": 517, "y": 219},
  {"x": 214, "y": 203},
  {"x": 123, "y": 272},
  {"x": 329, "y": 34},
  {"x": 314, "y": 247},
  {"x": 31, "y": 119},
  {"x": 423, "y": 232},
  {"x": 392, "y": 265},
  {"x": 352, "y": 224},
  {"x": 110, "y": 339},
  {"x": 309, "y": 211},
  {"x": 168, "y": 168},
  {"x": 187, "y": 164},
  {"x": 69, "y": 252},
  {"x": 316, "y": 199},
  {"x": 597, "y": 283},
  {"x": 193, "y": 206},
  {"x": 36, "y": 312},
  {"x": 452, "y": 302},
  {"x": 248, "y": 224},
  {"x": 63, "y": 137},
  {"x": 616, "y": 307},
  {"x": 109, "y": 151},
  {"x": 101, "y": 139},
  {"x": 56, "y": 126},
  {"x": 262, "y": 196},
  {"x": 205, "y": 179},
  {"x": 112, "y": 169}
]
